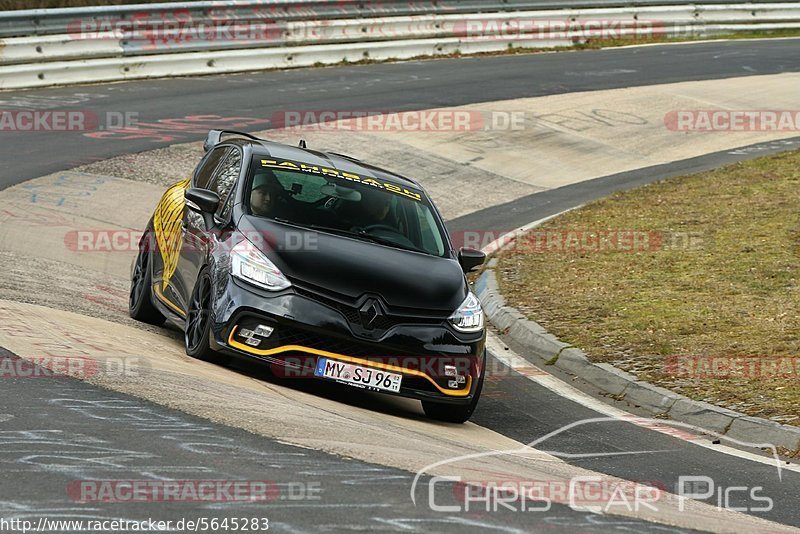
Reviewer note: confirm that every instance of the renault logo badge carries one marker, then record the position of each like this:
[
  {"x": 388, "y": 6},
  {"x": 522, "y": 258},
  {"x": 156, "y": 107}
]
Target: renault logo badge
[{"x": 369, "y": 313}]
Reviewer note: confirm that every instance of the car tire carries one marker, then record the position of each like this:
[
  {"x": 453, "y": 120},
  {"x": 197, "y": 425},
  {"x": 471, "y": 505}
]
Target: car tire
[
  {"x": 198, "y": 323},
  {"x": 455, "y": 413},
  {"x": 140, "y": 299}
]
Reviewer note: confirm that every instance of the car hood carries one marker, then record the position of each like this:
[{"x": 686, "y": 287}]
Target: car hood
[{"x": 352, "y": 267}]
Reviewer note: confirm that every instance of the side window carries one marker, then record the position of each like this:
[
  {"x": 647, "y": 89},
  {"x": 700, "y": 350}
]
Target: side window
[
  {"x": 225, "y": 178},
  {"x": 202, "y": 176}
]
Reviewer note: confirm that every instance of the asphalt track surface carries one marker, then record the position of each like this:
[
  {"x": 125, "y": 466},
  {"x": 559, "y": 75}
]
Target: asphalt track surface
[
  {"x": 513, "y": 405},
  {"x": 65, "y": 431},
  {"x": 382, "y": 87}
]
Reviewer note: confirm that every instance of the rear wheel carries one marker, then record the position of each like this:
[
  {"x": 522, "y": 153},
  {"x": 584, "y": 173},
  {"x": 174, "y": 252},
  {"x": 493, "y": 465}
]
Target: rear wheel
[
  {"x": 140, "y": 301},
  {"x": 456, "y": 413},
  {"x": 198, "y": 323}
]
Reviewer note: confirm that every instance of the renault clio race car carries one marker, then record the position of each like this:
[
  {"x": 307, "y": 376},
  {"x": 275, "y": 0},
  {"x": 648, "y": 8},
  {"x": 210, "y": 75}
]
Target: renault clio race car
[{"x": 322, "y": 266}]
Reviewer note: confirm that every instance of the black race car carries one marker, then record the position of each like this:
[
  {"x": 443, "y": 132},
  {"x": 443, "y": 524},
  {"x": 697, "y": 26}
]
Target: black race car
[{"x": 319, "y": 264}]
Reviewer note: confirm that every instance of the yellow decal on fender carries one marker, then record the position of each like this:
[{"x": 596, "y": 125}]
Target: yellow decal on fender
[{"x": 167, "y": 221}]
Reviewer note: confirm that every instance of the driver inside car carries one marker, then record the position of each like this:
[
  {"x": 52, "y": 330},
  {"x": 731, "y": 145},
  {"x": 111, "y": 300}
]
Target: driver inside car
[
  {"x": 265, "y": 197},
  {"x": 373, "y": 209}
]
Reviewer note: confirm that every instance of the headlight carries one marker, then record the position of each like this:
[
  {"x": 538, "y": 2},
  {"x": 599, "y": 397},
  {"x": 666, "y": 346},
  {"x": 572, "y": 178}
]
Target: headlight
[
  {"x": 469, "y": 316},
  {"x": 250, "y": 265}
]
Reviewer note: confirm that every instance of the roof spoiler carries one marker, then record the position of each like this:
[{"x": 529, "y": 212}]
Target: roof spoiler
[{"x": 215, "y": 136}]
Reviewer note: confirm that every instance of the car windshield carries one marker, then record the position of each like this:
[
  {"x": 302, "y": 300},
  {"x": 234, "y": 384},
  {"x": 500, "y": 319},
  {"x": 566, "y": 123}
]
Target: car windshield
[{"x": 343, "y": 203}]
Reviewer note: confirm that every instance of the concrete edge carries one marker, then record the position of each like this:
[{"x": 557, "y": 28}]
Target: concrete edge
[{"x": 624, "y": 386}]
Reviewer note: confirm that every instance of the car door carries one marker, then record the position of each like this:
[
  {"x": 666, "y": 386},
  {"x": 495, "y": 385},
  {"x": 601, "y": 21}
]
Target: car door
[
  {"x": 169, "y": 222},
  {"x": 197, "y": 237},
  {"x": 169, "y": 276}
]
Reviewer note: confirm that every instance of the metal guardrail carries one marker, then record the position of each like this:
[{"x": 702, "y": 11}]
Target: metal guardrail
[
  {"x": 53, "y": 46},
  {"x": 58, "y": 21}
]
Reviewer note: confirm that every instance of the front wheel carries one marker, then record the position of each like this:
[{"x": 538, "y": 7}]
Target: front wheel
[
  {"x": 140, "y": 301},
  {"x": 198, "y": 323},
  {"x": 458, "y": 413}
]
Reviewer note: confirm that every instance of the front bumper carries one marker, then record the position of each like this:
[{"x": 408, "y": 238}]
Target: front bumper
[{"x": 307, "y": 328}]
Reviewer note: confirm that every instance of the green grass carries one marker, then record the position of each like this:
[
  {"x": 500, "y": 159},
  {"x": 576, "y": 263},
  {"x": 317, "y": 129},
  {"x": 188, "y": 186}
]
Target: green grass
[{"x": 736, "y": 294}]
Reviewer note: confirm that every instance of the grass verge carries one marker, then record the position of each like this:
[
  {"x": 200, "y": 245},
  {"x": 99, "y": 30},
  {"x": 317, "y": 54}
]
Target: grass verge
[{"x": 707, "y": 304}]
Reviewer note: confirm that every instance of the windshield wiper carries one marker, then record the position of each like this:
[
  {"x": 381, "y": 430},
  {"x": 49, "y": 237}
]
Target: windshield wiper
[
  {"x": 364, "y": 236},
  {"x": 332, "y": 230},
  {"x": 389, "y": 242}
]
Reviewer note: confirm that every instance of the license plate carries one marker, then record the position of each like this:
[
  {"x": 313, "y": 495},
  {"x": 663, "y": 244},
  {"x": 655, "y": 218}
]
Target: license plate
[{"x": 356, "y": 375}]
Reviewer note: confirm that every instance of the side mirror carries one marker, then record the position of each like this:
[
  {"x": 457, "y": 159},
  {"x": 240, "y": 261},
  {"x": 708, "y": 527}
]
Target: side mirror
[
  {"x": 201, "y": 200},
  {"x": 469, "y": 258}
]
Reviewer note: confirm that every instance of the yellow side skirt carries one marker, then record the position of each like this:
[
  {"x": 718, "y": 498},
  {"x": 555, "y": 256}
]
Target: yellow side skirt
[{"x": 167, "y": 302}]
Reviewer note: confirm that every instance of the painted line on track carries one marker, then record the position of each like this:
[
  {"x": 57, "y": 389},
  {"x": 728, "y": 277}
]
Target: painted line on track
[{"x": 685, "y": 432}]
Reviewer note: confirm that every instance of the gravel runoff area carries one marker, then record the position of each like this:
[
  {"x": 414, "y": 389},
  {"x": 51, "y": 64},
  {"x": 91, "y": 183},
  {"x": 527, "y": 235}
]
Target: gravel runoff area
[
  {"x": 689, "y": 283},
  {"x": 64, "y": 286}
]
